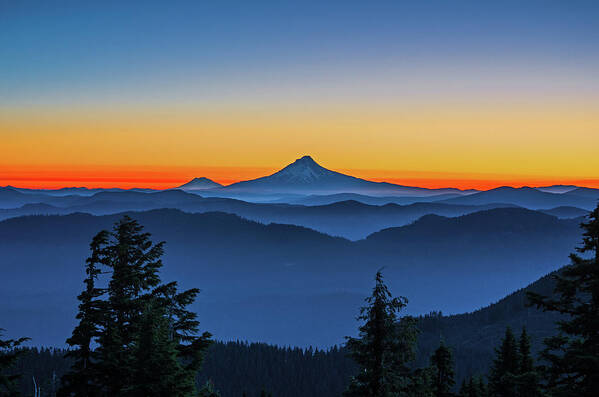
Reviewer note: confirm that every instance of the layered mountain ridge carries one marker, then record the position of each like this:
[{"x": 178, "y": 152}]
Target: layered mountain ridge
[
  {"x": 306, "y": 176},
  {"x": 267, "y": 282}
]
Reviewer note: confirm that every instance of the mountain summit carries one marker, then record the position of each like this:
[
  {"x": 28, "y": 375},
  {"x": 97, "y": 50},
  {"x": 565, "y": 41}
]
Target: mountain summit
[
  {"x": 199, "y": 184},
  {"x": 306, "y": 176},
  {"x": 303, "y": 171}
]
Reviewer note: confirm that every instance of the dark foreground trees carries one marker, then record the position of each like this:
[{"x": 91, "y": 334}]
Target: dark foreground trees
[
  {"x": 474, "y": 387},
  {"x": 505, "y": 369},
  {"x": 573, "y": 355},
  {"x": 135, "y": 336},
  {"x": 385, "y": 346},
  {"x": 528, "y": 380},
  {"x": 9, "y": 354},
  {"x": 513, "y": 373},
  {"x": 442, "y": 371}
]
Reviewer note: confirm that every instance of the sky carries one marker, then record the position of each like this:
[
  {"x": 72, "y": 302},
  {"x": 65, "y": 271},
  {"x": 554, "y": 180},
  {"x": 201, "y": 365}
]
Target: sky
[{"x": 467, "y": 94}]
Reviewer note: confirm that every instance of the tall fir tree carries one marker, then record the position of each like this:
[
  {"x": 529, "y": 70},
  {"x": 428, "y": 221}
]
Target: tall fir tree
[
  {"x": 473, "y": 391},
  {"x": 481, "y": 387},
  {"x": 528, "y": 377},
  {"x": 134, "y": 262},
  {"x": 184, "y": 328},
  {"x": 443, "y": 371},
  {"x": 385, "y": 346},
  {"x": 463, "y": 392},
  {"x": 506, "y": 367},
  {"x": 421, "y": 384},
  {"x": 573, "y": 354},
  {"x": 473, "y": 387},
  {"x": 83, "y": 378},
  {"x": 156, "y": 370},
  {"x": 9, "y": 354},
  {"x": 147, "y": 340}
]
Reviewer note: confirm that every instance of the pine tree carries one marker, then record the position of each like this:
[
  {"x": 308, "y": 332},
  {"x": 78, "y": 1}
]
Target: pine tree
[
  {"x": 481, "y": 387},
  {"x": 82, "y": 379},
  {"x": 147, "y": 340},
  {"x": 472, "y": 389},
  {"x": 134, "y": 262},
  {"x": 9, "y": 354},
  {"x": 475, "y": 387},
  {"x": 443, "y": 373},
  {"x": 573, "y": 354},
  {"x": 463, "y": 389},
  {"x": 384, "y": 348},
  {"x": 184, "y": 328},
  {"x": 208, "y": 390},
  {"x": 421, "y": 384},
  {"x": 528, "y": 378},
  {"x": 156, "y": 370},
  {"x": 506, "y": 367},
  {"x": 526, "y": 360}
]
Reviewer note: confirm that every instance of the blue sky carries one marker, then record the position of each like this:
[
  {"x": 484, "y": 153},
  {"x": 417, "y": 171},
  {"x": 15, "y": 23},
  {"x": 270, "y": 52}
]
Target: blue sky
[{"x": 51, "y": 49}]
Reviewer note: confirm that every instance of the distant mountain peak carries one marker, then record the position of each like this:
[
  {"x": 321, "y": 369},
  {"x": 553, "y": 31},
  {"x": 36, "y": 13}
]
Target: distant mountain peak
[
  {"x": 202, "y": 179},
  {"x": 306, "y": 176},
  {"x": 306, "y": 159},
  {"x": 200, "y": 183},
  {"x": 303, "y": 170}
]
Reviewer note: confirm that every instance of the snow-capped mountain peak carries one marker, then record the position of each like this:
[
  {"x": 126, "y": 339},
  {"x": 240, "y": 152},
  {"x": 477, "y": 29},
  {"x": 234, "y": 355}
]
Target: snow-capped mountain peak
[
  {"x": 303, "y": 170},
  {"x": 306, "y": 176}
]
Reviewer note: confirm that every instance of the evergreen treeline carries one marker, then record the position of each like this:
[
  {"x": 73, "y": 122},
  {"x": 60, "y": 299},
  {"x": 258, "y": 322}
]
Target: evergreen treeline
[
  {"x": 474, "y": 336},
  {"x": 9, "y": 355},
  {"x": 237, "y": 367},
  {"x": 233, "y": 368},
  {"x": 136, "y": 338},
  {"x": 570, "y": 360}
]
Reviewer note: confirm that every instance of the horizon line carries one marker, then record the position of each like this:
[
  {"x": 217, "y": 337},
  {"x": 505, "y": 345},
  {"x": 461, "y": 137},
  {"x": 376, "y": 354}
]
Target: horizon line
[
  {"x": 127, "y": 183},
  {"x": 161, "y": 177}
]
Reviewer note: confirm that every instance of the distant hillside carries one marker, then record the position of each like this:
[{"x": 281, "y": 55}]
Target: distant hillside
[
  {"x": 556, "y": 188},
  {"x": 281, "y": 283},
  {"x": 371, "y": 200},
  {"x": 472, "y": 237},
  {"x": 237, "y": 367},
  {"x": 473, "y": 336},
  {"x": 77, "y": 191},
  {"x": 531, "y": 198},
  {"x": 566, "y": 212},
  {"x": 585, "y": 192},
  {"x": 349, "y": 219}
]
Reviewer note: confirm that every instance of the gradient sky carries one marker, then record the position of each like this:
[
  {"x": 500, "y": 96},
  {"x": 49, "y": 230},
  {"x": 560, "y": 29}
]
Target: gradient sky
[{"x": 430, "y": 93}]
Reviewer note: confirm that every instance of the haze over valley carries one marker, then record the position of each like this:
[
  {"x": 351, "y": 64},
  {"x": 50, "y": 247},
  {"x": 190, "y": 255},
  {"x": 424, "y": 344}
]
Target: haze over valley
[{"x": 301, "y": 250}]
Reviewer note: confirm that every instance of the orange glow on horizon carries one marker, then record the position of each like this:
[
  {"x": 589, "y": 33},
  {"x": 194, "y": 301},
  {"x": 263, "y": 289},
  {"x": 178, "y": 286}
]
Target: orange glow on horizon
[
  {"x": 169, "y": 177},
  {"x": 33, "y": 177},
  {"x": 481, "y": 146}
]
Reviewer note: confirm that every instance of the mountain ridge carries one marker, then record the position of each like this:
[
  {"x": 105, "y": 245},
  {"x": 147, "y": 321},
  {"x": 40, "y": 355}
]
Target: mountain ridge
[
  {"x": 201, "y": 183},
  {"x": 284, "y": 276},
  {"x": 531, "y": 198},
  {"x": 348, "y": 218},
  {"x": 306, "y": 176}
]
